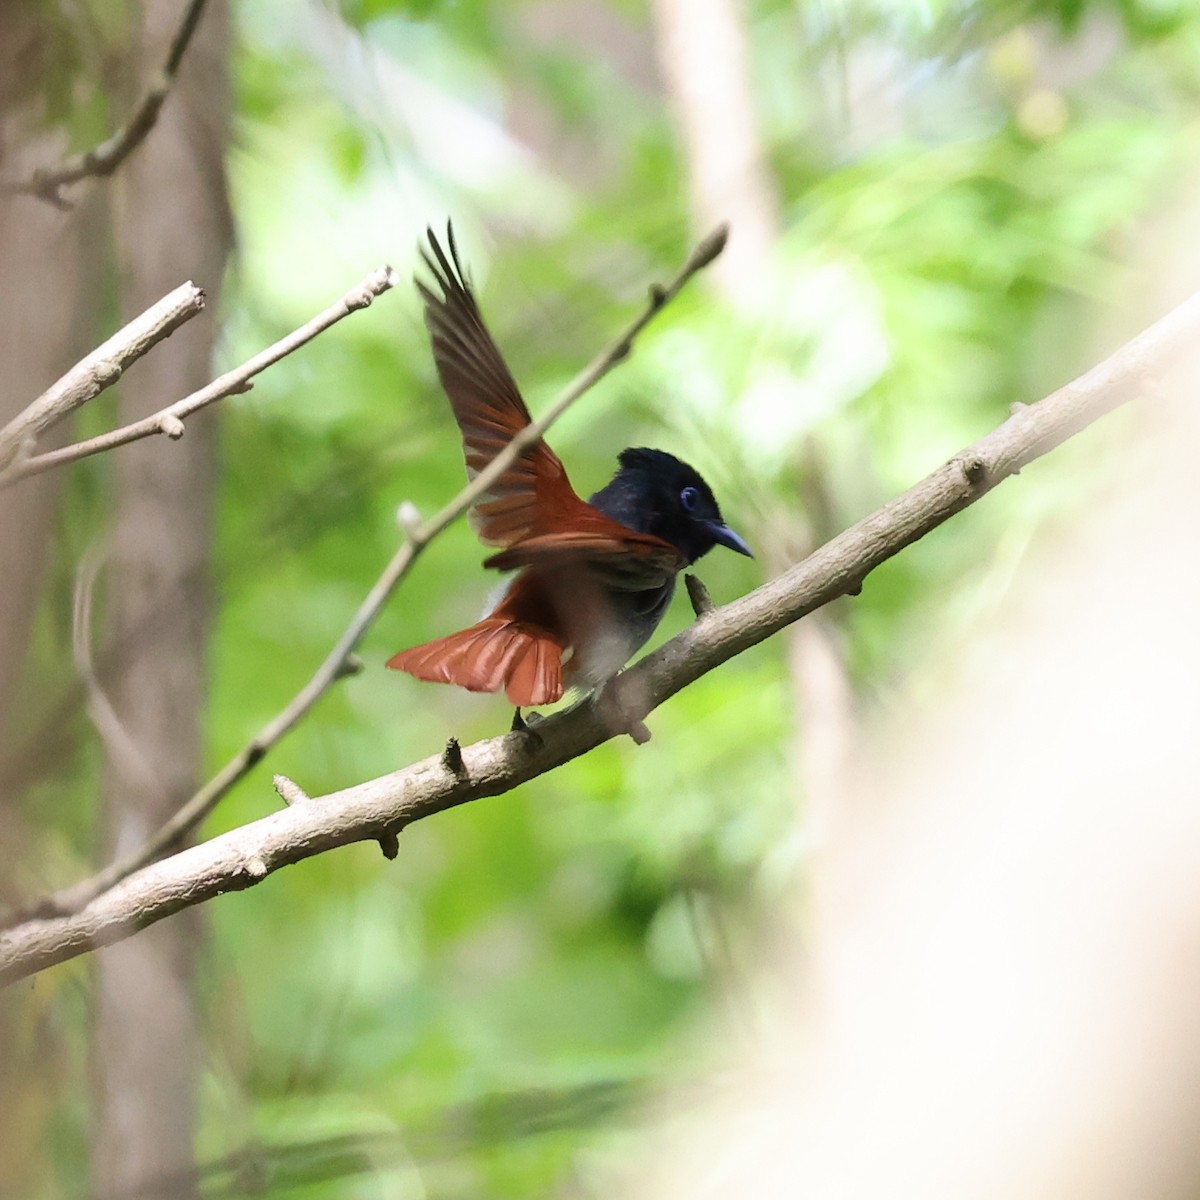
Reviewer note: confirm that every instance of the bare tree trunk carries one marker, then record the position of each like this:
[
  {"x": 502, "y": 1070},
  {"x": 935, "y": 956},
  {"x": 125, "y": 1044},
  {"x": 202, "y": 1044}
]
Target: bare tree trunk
[
  {"x": 703, "y": 49},
  {"x": 39, "y": 327},
  {"x": 48, "y": 270},
  {"x": 172, "y": 223},
  {"x": 46, "y": 316},
  {"x": 706, "y": 62}
]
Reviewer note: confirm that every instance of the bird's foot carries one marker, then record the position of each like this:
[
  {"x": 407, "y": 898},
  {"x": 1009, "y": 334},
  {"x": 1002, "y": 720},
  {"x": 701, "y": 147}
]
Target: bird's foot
[
  {"x": 528, "y": 726},
  {"x": 452, "y": 758}
]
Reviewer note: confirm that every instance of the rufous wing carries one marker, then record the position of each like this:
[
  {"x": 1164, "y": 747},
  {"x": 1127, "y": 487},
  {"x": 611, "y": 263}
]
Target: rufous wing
[
  {"x": 488, "y": 407},
  {"x": 623, "y": 559}
]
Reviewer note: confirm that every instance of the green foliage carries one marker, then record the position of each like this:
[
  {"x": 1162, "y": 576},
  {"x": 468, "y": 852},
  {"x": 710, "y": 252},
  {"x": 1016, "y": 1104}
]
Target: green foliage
[{"x": 477, "y": 1017}]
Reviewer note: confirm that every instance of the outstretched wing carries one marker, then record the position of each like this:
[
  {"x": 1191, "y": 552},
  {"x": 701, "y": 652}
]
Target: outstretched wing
[
  {"x": 531, "y": 511},
  {"x": 487, "y": 406}
]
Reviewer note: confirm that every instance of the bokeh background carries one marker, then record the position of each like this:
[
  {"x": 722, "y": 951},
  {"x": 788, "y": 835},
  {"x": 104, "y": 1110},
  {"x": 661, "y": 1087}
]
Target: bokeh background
[{"x": 937, "y": 209}]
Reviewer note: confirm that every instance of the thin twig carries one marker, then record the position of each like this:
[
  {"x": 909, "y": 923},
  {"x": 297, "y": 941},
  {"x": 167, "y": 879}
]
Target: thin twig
[
  {"x": 384, "y": 806},
  {"x": 701, "y": 601},
  {"x": 169, "y": 420},
  {"x": 100, "y": 369},
  {"x": 334, "y": 665},
  {"x": 103, "y": 159},
  {"x": 289, "y": 791},
  {"x": 121, "y": 747}
]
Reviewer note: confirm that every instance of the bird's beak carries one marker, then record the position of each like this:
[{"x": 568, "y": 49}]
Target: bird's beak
[{"x": 726, "y": 537}]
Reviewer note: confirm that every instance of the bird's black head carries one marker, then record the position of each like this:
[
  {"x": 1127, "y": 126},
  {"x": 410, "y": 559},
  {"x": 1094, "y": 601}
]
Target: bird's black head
[{"x": 654, "y": 492}]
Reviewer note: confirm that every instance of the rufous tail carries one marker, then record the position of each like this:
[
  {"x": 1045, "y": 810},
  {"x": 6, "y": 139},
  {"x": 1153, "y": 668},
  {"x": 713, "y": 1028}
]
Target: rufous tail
[{"x": 497, "y": 653}]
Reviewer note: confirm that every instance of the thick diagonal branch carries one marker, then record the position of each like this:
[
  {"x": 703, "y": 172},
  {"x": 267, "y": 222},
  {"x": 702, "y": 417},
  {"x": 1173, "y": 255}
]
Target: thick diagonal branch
[{"x": 384, "y": 806}]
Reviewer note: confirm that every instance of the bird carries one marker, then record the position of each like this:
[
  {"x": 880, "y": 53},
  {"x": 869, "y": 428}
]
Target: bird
[{"x": 593, "y": 578}]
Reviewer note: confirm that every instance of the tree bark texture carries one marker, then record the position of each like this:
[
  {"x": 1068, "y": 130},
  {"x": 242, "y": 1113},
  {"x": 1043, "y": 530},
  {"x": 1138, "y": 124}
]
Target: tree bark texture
[
  {"x": 48, "y": 268},
  {"x": 171, "y": 223}
]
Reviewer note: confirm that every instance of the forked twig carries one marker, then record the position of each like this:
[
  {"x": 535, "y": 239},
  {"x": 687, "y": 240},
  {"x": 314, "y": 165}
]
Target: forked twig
[
  {"x": 100, "y": 369},
  {"x": 170, "y": 420}
]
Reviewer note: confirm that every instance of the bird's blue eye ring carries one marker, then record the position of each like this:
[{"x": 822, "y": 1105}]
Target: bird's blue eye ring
[{"x": 689, "y": 498}]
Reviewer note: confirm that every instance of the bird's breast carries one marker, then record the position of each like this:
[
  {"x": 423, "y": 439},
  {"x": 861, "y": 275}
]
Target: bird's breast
[
  {"x": 601, "y": 626},
  {"x": 617, "y": 627}
]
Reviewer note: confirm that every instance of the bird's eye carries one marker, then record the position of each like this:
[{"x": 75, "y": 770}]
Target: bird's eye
[{"x": 689, "y": 498}]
